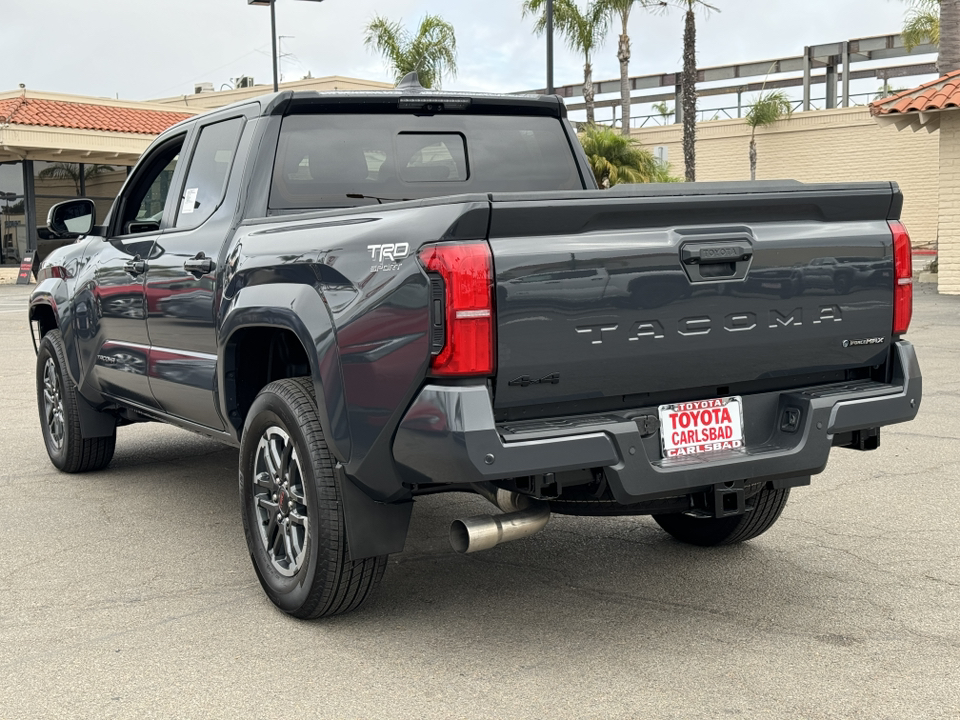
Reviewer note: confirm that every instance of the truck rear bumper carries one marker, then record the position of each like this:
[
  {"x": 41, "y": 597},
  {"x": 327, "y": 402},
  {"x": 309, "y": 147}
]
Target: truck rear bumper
[{"x": 449, "y": 435}]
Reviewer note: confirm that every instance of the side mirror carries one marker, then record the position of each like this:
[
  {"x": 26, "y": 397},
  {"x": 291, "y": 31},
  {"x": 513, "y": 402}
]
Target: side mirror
[{"x": 72, "y": 218}]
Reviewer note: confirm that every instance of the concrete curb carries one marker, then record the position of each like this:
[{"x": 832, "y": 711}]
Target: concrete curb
[{"x": 8, "y": 274}]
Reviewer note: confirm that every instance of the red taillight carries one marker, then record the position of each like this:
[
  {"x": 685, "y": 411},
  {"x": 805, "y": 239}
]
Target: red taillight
[
  {"x": 467, "y": 272},
  {"x": 903, "y": 278}
]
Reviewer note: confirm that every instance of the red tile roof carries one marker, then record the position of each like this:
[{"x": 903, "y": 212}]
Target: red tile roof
[
  {"x": 86, "y": 116},
  {"x": 940, "y": 94}
]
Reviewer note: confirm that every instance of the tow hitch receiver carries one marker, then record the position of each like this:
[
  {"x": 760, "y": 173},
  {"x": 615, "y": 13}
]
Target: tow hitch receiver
[
  {"x": 724, "y": 500},
  {"x": 728, "y": 500}
]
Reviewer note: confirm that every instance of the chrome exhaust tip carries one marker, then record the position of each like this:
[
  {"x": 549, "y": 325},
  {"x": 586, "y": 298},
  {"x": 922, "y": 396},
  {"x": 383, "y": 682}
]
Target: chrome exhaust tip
[{"x": 482, "y": 532}]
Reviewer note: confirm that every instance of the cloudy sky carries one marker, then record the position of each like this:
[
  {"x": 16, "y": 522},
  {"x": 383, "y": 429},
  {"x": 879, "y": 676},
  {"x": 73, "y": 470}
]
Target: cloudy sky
[{"x": 137, "y": 49}]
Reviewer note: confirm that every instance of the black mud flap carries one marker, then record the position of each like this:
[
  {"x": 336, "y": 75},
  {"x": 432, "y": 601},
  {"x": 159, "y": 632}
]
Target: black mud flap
[
  {"x": 93, "y": 423},
  {"x": 373, "y": 528}
]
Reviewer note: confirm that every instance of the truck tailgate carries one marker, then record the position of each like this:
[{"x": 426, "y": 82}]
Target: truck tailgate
[{"x": 605, "y": 294}]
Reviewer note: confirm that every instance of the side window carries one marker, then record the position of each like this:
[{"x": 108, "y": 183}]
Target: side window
[
  {"x": 209, "y": 169},
  {"x": 143, "y": 203},
  {"x": 151, "y": 207}
]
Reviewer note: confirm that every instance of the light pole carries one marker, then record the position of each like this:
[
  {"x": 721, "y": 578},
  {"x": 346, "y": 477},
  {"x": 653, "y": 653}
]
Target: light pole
[
  {"x": 273, "y": 36},
  {"x": 549, "y": 47}
]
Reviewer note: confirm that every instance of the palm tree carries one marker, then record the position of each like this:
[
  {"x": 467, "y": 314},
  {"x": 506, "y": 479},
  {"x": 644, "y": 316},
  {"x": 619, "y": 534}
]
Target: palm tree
[
  {"x": 922, "y": 23},
  {"x": 663, "y": 110},
  {"x": 886, "y": 90},
  {"x": 688, "y": 83},
  {"x": 622, "y": 9},
  {"x": 768, "y": 108},
  {"x": 15, "y": 209},
  {"x": 71, "y": 172},
  {"x": 432, "y": 52},
  {"x": 584, "y": 31},
  {"x": 948, "y": 37},
  {"x": 616, "y": 159},
  {"x": 936, "y": 22}
]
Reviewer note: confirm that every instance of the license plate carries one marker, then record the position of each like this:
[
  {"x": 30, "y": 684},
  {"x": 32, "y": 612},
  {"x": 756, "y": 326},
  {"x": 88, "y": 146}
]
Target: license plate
[{"x": 702, "y": 426}]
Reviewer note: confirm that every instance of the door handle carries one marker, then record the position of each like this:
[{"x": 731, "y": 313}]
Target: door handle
[
  {"x": 136, "y": 266},
  {"x": 200, "y": 265}
]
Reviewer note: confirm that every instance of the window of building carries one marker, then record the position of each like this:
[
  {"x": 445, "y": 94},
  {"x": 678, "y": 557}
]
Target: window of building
[
  {"x": 54, "y": 182},
  {"x": 102, "y": 184},
  {"x": 13, "y": 219},
  {"x": 49, "y": 183}
]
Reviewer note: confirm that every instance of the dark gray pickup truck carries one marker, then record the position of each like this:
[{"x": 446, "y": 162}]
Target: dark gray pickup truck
[{"x": 381, "y": 296}]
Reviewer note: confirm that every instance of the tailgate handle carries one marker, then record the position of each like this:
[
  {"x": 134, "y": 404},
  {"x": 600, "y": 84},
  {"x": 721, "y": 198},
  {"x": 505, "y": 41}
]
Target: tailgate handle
[
  {"x": 708, "y": 253},
  {"x": 716, "y": 261}
]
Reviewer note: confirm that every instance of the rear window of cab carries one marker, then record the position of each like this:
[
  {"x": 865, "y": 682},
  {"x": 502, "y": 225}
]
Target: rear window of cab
[{"x": 345, "y": 160}]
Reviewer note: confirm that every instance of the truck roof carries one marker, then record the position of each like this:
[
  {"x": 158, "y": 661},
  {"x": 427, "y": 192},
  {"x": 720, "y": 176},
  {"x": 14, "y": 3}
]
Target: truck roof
[
  {"x": 410, "y": 95},
  {"x": 407, "y": 95},
  {"x": 428, "y": 101}
]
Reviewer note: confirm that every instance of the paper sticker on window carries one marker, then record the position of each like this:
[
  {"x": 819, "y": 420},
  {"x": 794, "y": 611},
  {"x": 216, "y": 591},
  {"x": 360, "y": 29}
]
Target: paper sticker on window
[{"x": 189, "y": 201}]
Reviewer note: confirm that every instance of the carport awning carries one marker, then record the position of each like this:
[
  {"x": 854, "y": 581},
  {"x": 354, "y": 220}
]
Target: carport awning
[
  {"x": 20, "y": 142},
  {"x": 65, "y": 128}
]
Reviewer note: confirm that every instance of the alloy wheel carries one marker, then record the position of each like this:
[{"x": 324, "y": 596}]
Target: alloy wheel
[
  {"x": 279, "y": 502},
  {"x": 53, "y": 403}
]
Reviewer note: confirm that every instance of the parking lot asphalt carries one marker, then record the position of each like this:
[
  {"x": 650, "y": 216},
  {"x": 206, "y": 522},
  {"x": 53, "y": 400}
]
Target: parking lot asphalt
[{"x": 129, "y": 592}]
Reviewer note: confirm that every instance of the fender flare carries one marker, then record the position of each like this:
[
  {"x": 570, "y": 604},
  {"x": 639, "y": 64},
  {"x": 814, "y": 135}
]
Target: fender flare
[
  {"x": 37, "y": 300},
  {"x": 53, "y": 292},
  {"x": 93, "y": 423},
  {"x": 301, "y": 310},
  {"x": 373, "y": 528}
]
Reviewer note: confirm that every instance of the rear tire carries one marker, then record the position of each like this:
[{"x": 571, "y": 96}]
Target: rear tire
[
  {"x": 763, "y": 510},
  {"x": 58, "y": 402},
  {"x": 290, "y": 502}
]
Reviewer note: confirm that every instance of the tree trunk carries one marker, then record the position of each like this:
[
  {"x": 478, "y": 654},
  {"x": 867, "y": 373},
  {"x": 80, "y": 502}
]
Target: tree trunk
[
  {"x": 753, "y": 158},
  {"x": 623, "y": 55},
  {"x": 689, "y": 96},
  {"x": 949, "y": 58},
  {"x": 588, "y": 91}
]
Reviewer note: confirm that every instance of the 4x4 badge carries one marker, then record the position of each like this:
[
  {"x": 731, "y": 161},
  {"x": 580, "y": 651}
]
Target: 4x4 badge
[{"x": 527, "y": 381}]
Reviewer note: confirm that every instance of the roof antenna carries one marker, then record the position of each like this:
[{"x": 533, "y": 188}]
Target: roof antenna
[{"x": 410, "y": 82}]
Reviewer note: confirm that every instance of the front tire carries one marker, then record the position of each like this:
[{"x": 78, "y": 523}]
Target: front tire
[
  {"x": 763, "y": 510},
  {"x": 291, "y": 508},
  {"x": 58, "y": 404}
]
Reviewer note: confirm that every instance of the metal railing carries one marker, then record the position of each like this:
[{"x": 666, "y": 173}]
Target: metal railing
[{"x": 729, "y": 112}]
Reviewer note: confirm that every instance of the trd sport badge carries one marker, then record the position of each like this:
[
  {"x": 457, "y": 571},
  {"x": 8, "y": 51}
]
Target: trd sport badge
[{"x": 387, "y": 257}]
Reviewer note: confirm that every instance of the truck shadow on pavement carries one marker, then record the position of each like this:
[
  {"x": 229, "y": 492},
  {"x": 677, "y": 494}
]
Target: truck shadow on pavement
[
  {"x": 587, "y": 578},
  {"x": 596, "y": 572}
]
